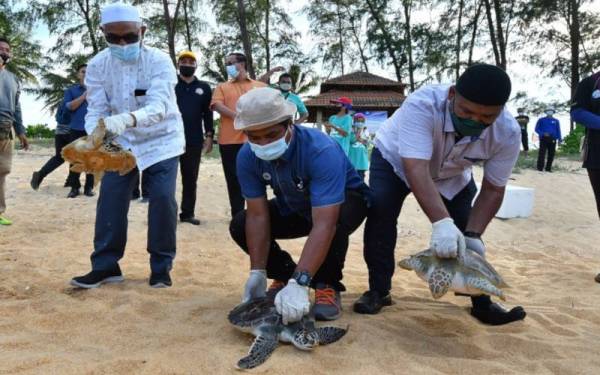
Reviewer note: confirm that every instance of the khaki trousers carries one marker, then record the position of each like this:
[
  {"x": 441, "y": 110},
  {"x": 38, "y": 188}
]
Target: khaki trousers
[{"x": 6, "y": 151}]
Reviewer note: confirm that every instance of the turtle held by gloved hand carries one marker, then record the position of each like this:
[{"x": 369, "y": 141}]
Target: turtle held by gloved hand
[{"x": 98, "y": 153}]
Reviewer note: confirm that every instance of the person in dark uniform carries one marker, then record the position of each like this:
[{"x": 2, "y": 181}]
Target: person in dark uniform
[
  {"x": 193, "y": 100},
  {"x": 523, "y": 120},
  {"x": 585, "y": 110}
]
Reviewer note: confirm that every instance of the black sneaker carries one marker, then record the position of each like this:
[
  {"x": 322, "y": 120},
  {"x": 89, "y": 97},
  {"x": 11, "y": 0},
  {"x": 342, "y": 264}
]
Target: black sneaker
[
  {"x": 88, "y": 193},
  {"x": 96, "y": 278},
  {"x": 597, "y": 278},
  {"x": 160, "y": 280},
  {"x": 192, "y": 220},
  {"x": 36, "y": 180},
  {"x": 371, "y": 302},
  {"x": 73, "y": 193}
]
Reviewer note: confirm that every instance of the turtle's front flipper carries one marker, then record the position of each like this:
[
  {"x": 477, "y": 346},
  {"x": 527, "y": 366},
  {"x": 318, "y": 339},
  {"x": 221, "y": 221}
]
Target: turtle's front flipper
[
  {"x": 486, "y": 287},
  {"x": 439, "y": 282},
  {"x": 259, "y": 352},
  {"x": 328, "y": 335}
]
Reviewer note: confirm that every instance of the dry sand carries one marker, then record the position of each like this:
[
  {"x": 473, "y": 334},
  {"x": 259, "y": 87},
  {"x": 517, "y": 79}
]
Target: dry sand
[{"x": 46, "y": 327}]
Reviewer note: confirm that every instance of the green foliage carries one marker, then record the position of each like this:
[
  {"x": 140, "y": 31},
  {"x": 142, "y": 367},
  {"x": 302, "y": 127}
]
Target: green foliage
[
  {"x": 39, "y": 131},
  {"x": 572, "y": 141}
]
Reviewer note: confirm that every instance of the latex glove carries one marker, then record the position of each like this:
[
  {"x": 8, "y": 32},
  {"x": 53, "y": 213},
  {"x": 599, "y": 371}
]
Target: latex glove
[
  {"x": 475, "y": 244},
  {"x": 292, "y": 302},
  {"x": 446, "y": 239},
  {"x": 117, "y": 124},
  {"x": 255, "y": 286}
]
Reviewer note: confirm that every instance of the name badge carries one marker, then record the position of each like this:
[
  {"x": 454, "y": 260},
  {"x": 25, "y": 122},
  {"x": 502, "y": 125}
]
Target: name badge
[
  {"x": 267, "y": 176},
  {"x": 199, "y": 91},
  {"x": 596, "y": 94}
]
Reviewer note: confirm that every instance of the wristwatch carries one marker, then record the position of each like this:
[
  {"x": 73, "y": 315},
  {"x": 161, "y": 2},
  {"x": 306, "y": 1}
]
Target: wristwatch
[
  {"x": 472, "y": 234},
  {"x": 303, "y": 278}
]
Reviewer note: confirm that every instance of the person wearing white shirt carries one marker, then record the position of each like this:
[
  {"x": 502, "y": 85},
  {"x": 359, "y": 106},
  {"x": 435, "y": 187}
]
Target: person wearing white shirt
[
  {"x": 132, "y": 88},
  {"x": 428, "y": 148}
]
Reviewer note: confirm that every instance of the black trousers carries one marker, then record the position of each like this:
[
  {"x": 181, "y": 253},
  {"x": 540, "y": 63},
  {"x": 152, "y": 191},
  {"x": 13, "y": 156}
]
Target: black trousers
[
  {"x": 546, "y": 144},
  {"x": 594, "y": 175},
  {"x": 228, "y": 159},
  {"x": 388, "y": 194},
  {"x": 73, "y": 179},
  {"x": 524, "y": 140},
  {"x": 189, "y": 164},
  {"x": 60, "y": 141},
  {"x": 280, "y": 265},
  {"x": 136, "y": 188}
]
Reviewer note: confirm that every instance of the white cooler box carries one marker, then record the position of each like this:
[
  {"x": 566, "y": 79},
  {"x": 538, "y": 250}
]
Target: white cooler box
[{"x": 518, "y": 202}]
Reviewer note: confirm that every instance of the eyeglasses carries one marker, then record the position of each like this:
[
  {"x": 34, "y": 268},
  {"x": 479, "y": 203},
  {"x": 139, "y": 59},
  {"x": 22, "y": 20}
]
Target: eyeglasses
[{"x": 127, "y": 38}]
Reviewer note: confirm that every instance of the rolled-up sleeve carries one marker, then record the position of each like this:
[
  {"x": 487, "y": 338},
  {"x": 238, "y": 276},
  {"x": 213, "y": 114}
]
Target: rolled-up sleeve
[
  {"x": 163, "y": 79},
  {"x": 97, "y": 99},
  {"x": 415, "y": 121}
]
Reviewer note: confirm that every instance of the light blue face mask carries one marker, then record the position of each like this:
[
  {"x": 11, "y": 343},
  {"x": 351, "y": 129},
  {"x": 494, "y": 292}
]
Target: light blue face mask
[
  {"x": 232, "y": 71},
  {"x": 128, "y": 52},
  {"x": 270, "y": 151}
]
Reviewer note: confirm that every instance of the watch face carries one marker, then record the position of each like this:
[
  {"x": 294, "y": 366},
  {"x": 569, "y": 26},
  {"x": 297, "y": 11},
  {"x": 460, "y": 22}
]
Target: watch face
[{"x": 302, "y": 278}]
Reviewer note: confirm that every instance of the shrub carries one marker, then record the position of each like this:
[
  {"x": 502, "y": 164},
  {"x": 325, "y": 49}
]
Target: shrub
[
  {"x": 572, "y": 141},
  {"x": 39, "y": 131}
]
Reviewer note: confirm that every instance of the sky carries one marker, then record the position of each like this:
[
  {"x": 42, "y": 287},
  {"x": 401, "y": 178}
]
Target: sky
[{"x": 525, "y": 77}]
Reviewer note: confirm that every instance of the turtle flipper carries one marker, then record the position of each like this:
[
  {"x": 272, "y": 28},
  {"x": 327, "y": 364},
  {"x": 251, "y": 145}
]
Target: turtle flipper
[
  {"x": 328, "y": 335},
  {"x": 485, "y": 286},
  {"x": 439, "y": 282},
  {"x": 261, "y": 349}
]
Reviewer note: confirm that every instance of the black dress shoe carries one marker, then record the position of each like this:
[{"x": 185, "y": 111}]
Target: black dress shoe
[
  {"x": 160, "y": 280},
  {"x": 36, "y": 180},
  {"x": 488, "y": 312},
  {"x": 191, "y": 220},
  {"x": 597, "y": 278},
  {"x": 73, "y": 193},
  {"x": 96, "y": 278},
  {"x": 89, "y": 193},
  {"x": 371, "y": 302}
]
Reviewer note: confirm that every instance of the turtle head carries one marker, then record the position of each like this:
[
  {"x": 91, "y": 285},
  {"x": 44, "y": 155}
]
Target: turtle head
[{"x": 419, "y": 262}]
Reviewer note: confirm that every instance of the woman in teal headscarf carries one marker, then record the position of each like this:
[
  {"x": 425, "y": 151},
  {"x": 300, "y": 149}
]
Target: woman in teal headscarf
[
  {"x": 339, "y": 126},
  {"x": 359, "y": 154}
]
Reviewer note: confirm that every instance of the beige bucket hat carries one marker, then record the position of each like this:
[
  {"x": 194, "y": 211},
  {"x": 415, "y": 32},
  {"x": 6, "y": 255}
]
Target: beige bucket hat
[{"x": 262, "y": 107}]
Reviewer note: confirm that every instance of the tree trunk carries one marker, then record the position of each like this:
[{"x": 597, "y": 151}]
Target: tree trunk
[
  {"x": 500, "y": 34},
  {"x": 474, "y": 34},
  {"x": 245, "y": 38},
  {"x": 574, "y": 39},
  {"x": 461, "y": 5},
  {"x": 85, "y": 10},
  {"x": 488, "y": 12},
  {"x": 267, "y": 41},
  {"x": 407, "y": 4},
  {"x": 391, "y": 51},
  {"x": 361, "y": 49},
  {"x": 186, "y": 19},
  {"x": 340, "y": 35}
]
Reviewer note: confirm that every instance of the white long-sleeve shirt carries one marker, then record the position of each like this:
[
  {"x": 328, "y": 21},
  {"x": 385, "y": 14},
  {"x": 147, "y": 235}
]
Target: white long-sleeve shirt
[{"x": 111, "y": 85}]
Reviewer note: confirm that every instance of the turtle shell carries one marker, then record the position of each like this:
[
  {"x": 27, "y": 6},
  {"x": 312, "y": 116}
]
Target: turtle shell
[{"x": 256, "y": 312}]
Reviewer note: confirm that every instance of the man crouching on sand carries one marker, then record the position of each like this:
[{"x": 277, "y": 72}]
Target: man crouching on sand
[{"x": 132, "y": 87}]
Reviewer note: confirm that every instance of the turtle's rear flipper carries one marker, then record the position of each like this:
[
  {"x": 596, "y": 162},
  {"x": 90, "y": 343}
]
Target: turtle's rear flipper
[
  {"x": 328, "y": 335},
  {"x": 260, "y": 351}
]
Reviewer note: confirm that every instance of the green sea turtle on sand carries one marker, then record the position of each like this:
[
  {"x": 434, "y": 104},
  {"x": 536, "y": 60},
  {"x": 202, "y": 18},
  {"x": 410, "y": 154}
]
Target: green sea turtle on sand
[
  {"x": 469, "y": 273},
  {"x": 260, "y": 318}
]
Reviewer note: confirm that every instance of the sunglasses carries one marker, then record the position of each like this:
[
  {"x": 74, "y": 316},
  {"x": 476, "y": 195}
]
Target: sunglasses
[{"x": 127, "y": 38}]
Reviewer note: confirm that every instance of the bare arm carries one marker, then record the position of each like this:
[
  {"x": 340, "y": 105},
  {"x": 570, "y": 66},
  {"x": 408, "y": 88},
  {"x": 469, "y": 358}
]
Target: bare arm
[
  {"x": 77, "y": 102},
  {"x": 267, "y": 76},
  {"x": 258, "y": 232},
  {"x": 319, "y": 239},
  {"x": 224, "y": 111},
  {"x": 486, "y": 206},
  {"x": 302, "y": 118},
  {"x": 422, "y": 186}
]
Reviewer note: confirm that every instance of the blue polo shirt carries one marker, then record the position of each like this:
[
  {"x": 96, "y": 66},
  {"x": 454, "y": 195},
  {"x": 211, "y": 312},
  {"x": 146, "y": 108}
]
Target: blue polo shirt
[
  {"x": 78, "y": 115},
  {"x": 548, "y": 125},
  {"x": 313, "y": 172}
]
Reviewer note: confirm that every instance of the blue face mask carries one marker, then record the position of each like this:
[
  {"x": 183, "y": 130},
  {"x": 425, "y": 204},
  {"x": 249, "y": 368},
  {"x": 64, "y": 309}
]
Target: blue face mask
[
  {"x": 128, "y": 52},
  {"x": 270, "y": 151},
  {"x": 232, "y": 71}
]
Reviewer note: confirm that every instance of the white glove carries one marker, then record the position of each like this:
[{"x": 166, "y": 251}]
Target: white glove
[
  {"x": 255, "y": 286},
  {"x": 292, "y": 302},
  {"x": 475, "y": 244},
  {"x": 117, "y": 124},
  {"x": 446, "y": 239}
]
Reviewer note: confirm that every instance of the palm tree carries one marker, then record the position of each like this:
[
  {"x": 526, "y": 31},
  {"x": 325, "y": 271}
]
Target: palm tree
[{"x": 302, "y": 81}]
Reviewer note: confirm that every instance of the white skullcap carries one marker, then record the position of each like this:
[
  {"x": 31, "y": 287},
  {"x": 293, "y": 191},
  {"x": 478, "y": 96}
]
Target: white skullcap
[{"x": 119, "y": 12}]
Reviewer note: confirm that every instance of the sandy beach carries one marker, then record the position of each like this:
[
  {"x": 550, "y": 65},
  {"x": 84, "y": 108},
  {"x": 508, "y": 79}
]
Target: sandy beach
[{"x": 47, "y": 327}]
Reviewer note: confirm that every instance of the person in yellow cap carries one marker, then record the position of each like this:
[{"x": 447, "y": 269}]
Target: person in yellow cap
[
  {"x": 317, "y": 194},
  {"x": 193, "y": 98}
]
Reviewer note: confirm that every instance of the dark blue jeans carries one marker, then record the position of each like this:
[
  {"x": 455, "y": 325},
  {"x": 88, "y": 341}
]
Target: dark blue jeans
[
  {"x": 111, "y": 216},
  {"x": 388, "y": 194}
]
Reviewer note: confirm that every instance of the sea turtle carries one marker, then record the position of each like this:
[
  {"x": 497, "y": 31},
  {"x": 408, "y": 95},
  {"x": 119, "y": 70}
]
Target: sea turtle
[
  {"x": 469, "y": 273},
  {"x": 97, "y": 153},
  {"x": 260, "y": 318}
]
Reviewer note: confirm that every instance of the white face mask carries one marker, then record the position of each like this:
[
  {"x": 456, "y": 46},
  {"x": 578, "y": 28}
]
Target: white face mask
[
  {"x": 285, "y": 86},
  {"x": 270, "y": 151}
]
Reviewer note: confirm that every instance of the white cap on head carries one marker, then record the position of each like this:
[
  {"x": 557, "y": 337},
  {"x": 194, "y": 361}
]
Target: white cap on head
[
  {"x": 262, "y": 107},
  {"x": 119, "y": 12}
]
